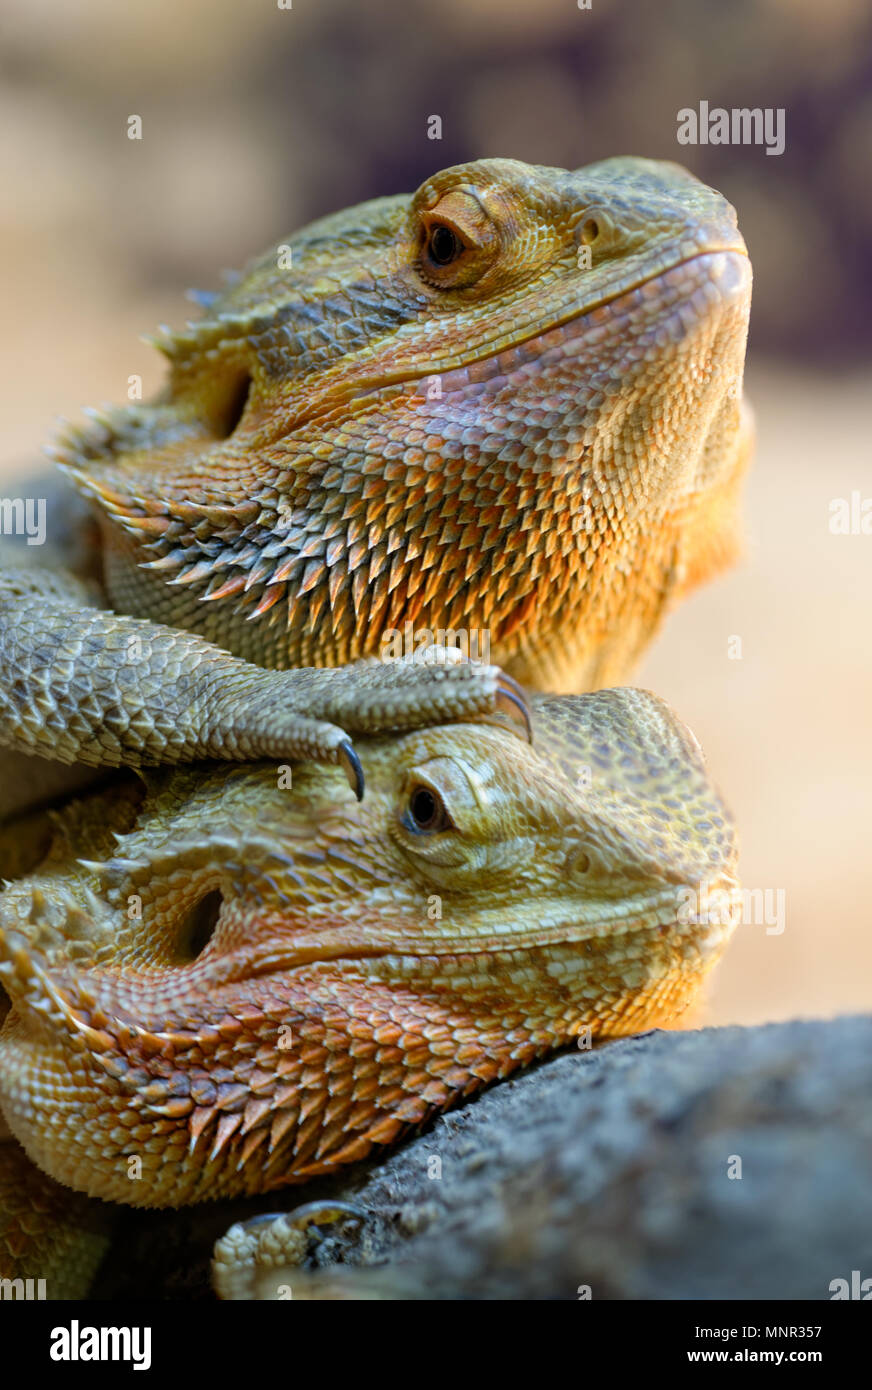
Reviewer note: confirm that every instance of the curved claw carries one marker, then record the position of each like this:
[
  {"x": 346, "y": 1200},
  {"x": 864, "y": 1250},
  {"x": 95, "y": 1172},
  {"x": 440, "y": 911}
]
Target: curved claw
[
  {"x": 322, "y": 1213},
  {"x": 506, "y": 679},
  {"x": 518, "y": 702},
  {"x": 351, "y": 763}
]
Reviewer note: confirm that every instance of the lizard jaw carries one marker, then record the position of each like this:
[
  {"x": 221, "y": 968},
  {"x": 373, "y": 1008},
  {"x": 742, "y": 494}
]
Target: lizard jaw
[
  {"x": 63, "y": 999},
  {"x": 121, "y": 1074}
]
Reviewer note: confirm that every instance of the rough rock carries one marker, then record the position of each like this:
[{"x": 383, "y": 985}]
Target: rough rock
[{"x": 725, "y": 1163}]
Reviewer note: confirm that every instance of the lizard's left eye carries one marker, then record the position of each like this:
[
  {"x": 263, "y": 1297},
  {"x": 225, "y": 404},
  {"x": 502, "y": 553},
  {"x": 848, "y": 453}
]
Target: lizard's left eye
[
  {"x": 457, "y": 240},
  {"x": 425, "y": 812},
  {"x": 443, "y": 244}
]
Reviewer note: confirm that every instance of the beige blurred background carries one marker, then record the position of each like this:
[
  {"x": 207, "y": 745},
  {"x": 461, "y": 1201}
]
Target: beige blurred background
[{"x": 256, "y": 119}]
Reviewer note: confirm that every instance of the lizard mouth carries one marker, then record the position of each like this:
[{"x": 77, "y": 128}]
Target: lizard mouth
[
  {"x": 83, "y": 997},
  {"x": 236, "y": 1046},
  {"x": 726, "y": 268},
  {"x": 676, "y": 298},
  {"x": 687, "y": 290}
]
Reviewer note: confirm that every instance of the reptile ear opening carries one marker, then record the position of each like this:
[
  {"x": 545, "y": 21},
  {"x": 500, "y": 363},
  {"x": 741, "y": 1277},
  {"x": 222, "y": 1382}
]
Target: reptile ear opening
[
  {"x": 197, "y": 927},
  {"x": 231, "y": 408}
]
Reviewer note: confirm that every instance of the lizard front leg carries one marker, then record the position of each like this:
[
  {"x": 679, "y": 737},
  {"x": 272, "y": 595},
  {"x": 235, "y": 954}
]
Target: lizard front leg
[{"x": 80, "y": 683}]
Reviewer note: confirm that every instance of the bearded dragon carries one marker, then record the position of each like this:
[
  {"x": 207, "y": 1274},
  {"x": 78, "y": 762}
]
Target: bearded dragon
[
  {"x": 507, "y": 407},
  {"x": 217, "y": 985}
]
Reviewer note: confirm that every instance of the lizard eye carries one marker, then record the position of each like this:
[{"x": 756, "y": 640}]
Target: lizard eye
[
  {"x": 425, "y": 813},
  {"x": 443, "y": 244},
  {"x": 457, "y": 240}
]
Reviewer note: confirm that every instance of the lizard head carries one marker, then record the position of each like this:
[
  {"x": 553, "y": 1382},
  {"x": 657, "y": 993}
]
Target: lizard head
[
  {"x": 227, "y": 983},
  {"x": 540, "y": 368}
]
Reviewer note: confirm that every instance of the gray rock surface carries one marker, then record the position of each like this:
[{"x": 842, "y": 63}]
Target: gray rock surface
[{"x": 611, "y": 1169}]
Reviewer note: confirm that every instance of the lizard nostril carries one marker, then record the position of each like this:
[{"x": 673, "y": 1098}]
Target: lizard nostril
[
  {"x": 197, "y": 926},
  {"x": 590, "y": 230}
]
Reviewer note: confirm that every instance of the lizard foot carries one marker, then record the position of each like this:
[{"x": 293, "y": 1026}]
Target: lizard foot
[
  {"x": 257, "y": 1259},
  {"x": 155, "y": 695},
  {"x": 312, "y": 713},
  {"x": 435, "y": 686}
]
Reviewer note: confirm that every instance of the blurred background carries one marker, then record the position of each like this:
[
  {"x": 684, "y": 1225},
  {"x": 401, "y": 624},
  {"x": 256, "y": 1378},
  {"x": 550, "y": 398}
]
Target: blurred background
[{"x": 256, "y": 119}]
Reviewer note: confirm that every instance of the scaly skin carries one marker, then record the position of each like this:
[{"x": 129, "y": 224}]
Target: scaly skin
[
  {"x": 371, "y": 963},
  {"x": 509, "y": 404}
]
